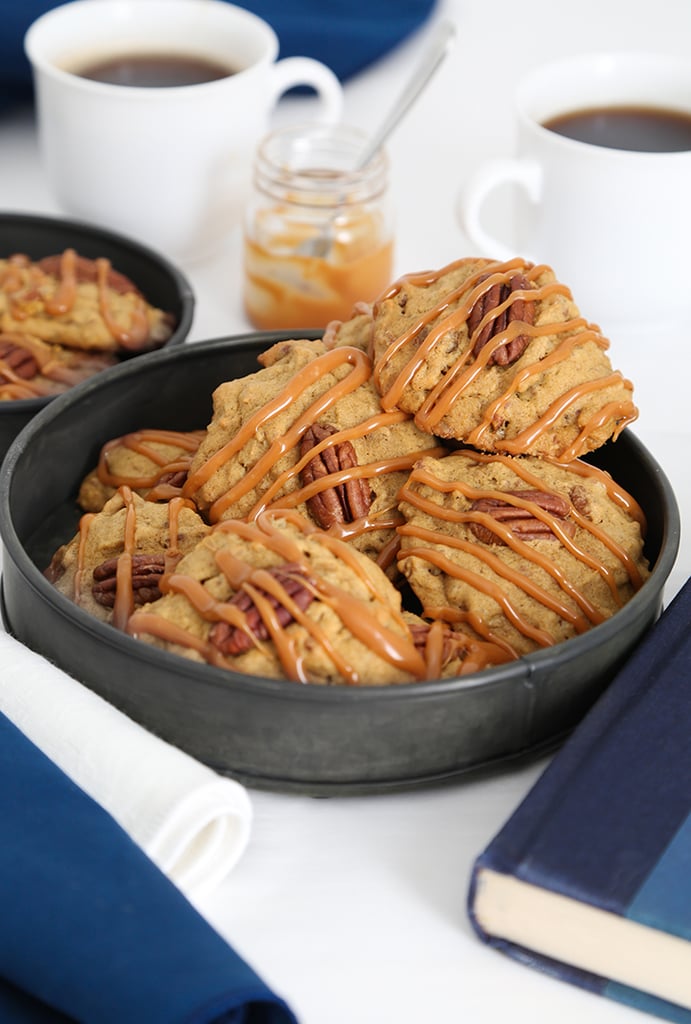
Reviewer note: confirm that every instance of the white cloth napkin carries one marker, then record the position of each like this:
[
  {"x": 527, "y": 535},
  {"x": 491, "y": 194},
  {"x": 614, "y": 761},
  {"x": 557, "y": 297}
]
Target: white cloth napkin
[{"x": 193, "y": 823}]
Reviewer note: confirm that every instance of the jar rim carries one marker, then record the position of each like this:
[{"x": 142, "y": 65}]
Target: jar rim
[{"x": 318, "y": 159}]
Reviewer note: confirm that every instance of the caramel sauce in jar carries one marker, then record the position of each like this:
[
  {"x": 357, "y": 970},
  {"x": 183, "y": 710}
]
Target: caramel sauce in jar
[{"x": 318, "y": 234}]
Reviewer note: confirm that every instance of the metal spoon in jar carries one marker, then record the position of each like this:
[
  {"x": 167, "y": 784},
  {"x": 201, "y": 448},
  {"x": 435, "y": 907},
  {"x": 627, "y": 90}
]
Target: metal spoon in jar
[{"x": 320, "y": 245}]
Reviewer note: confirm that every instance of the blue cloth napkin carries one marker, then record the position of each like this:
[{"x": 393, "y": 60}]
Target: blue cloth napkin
[
  {"x": 346, "y": 35},
  {"x": 90, "y": 929}
]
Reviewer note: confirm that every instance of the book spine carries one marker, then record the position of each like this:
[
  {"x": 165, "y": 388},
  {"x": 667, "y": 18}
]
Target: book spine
[{"x": 600, "y": 817}]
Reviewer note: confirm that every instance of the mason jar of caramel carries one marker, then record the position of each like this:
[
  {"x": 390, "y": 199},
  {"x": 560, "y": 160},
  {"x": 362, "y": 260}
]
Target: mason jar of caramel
[{"x": 318, "y": 230}]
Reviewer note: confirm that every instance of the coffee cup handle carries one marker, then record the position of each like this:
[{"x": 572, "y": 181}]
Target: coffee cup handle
[
  {"x": 292, "y": 71},
  {"x": 489, "y": 176}
]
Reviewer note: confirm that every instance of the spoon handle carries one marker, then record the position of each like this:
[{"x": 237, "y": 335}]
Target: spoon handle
[{"x": 432, "y": 58}]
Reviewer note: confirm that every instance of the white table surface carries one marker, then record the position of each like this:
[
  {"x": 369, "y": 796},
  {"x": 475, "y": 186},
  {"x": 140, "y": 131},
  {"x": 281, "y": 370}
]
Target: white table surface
[{"x": 354, "y": 908}]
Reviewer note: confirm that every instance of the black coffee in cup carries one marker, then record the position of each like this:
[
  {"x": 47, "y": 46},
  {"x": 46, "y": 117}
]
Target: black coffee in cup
[
  {"x": 641, "y": 129},
  {"x": 154, "y": 70}
]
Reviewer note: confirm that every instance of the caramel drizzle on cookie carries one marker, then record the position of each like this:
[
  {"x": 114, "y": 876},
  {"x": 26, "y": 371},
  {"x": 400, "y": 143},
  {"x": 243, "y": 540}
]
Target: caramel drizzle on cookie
[
  {"x": 141, "y": 442},
  {"x": 581, "y": 614},
  {"x": 12, "y": 385},
  {"x": 383, "y": 519},
  {"x": 431, "y": 328},
  {"x": 124, "y": 593},
  {"x": 133, "y": 335},
  {"x": 311, "y": 373},
  {"x": 395, "y": 647}
]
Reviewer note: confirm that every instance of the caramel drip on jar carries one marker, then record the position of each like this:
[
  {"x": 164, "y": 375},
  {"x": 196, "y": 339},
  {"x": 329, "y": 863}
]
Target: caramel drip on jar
[
  {"x": 398, "y": 649},
  {"x": 432, "y": 555},
  {"x": 140, "y": 441},
  {"x": 136, "y": 335},
  {"x": 66, "y": 293},
  {"x": 437, "y": 321}
]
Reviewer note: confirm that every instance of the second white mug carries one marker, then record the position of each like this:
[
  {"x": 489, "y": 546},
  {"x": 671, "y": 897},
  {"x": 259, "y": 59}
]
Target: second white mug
[
  {"x": 614, "y": 223},
  {"x": 168, "y": 165}
]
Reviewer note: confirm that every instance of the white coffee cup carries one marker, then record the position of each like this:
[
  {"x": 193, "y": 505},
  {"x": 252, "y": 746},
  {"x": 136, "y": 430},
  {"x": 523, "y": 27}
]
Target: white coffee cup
[
  {"x": 168, "y": 165},
  {"x": 614, "y": 224}
]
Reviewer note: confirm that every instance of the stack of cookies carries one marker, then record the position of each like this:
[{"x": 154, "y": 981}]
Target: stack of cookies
[
  {"x": 66, "y": 317},
  {"x": 402, "y": 500}
]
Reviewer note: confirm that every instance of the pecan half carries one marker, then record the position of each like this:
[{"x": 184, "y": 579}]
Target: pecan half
[
  {"x": 450, "y": 644},
  {"x": 230, "y": 639},
  {"x": 519, "y": 520},
  {"x": 19, "y": 360},
  {"x": 173, "y": 478},
  {"x": 518, "y": 310},
  {"x": 579, "y": 500},
  {"x": 342, "y": 503},
  {"x": 147, "y": 571}
]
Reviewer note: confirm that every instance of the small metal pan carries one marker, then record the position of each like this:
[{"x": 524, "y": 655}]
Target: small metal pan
[{"x": 274, "y": 734}]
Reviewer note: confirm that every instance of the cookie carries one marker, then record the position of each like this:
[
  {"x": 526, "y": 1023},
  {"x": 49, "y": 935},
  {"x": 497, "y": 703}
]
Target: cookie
[
  {"x": 280, "y": 598},
  {"x": 31, "y": 368},
  {"x": 497, "y": 355},
  {"x": 307, "y": 431},
  {"x": 79, "y": 303},
  {"x": 526, "y": 552},
  {"x": 153, "y": 463},
  {"x": 119, "y": 555},
  {"x": 356, "y": 331}
]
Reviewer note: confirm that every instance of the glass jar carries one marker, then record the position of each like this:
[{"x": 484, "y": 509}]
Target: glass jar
[{"x": 318, "y": 234}]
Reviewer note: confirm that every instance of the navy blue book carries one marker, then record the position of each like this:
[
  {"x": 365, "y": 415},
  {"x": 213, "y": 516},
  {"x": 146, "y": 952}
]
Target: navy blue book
[{"x": 590, "y": 878}]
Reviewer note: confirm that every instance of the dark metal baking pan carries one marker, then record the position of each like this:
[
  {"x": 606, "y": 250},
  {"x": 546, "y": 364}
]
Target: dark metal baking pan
[
  {"x": 163, "y": 284},
  {"x": 271, "y": 733}
]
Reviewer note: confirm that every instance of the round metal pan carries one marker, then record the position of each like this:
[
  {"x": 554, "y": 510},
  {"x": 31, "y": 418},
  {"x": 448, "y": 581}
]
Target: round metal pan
[
  {"x": 160, "y": 281},
  {"x": 270, "y": 733}
]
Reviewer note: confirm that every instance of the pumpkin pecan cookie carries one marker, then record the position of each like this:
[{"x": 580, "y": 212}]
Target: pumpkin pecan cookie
[
  {"x": 154, "y": 463},
  {"x": 498, "y": 356},
  {"x": 31, "y": 368},
  {"x": 280, "y": 598},
  {"x": 307, "y": 431},
  {"x": 79, "y": 303},
  {"x": 356, "y": 331},
  {"x": 526, "y": 552},
  {"x": 116, "y": 560}
]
